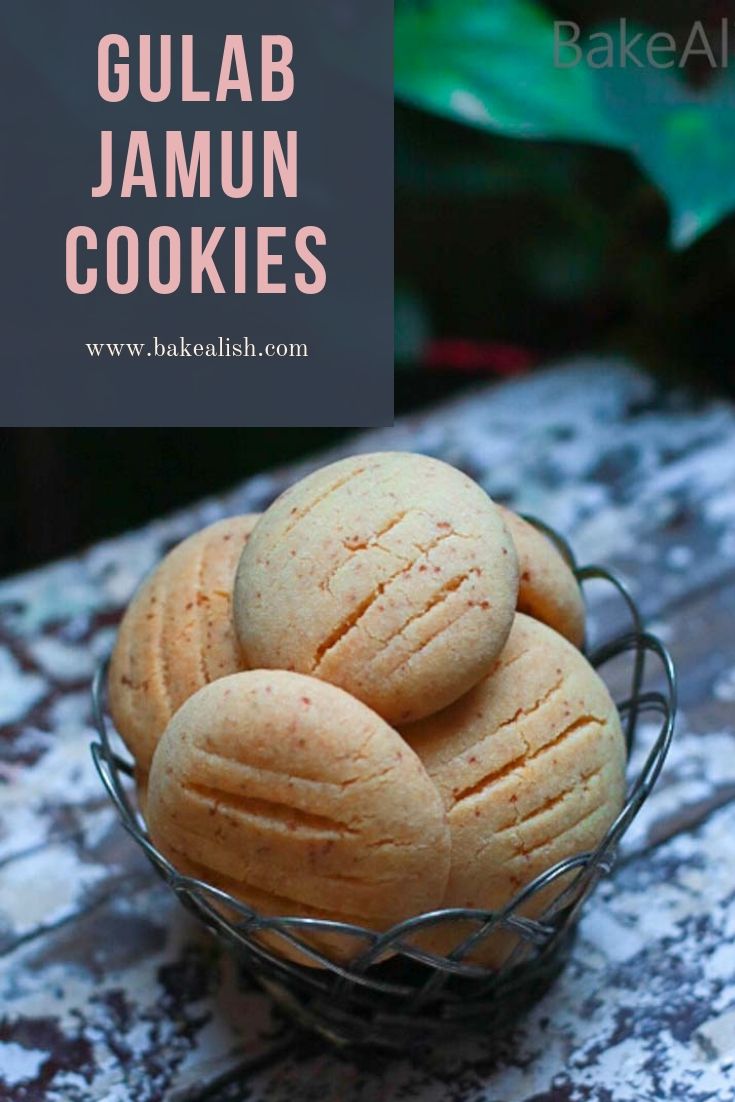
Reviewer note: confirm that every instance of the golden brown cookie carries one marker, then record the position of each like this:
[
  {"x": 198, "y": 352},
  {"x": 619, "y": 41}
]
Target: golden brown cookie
[
  {"x": 177, "y": 634},
  {"x": 391, "y": 575},
  {"x": 296, "y": 798},
  {"x": 547, "y": 590},
  {"x": 531, "y": 768}
]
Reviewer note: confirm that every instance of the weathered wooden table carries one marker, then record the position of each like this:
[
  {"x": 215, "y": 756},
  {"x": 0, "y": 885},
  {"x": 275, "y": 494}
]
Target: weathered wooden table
[{"x": 108, "y": 990}]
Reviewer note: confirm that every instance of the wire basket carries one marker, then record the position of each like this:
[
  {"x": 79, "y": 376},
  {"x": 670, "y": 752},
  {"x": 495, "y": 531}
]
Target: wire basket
[{"x": 416, "y": 995}]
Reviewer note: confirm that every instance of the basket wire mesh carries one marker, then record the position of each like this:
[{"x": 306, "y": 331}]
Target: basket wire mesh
[{"x": 390, "y": 991}]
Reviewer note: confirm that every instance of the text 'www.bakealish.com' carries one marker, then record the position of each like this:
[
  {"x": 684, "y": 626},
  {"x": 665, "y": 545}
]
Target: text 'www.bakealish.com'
[{"x": 236, "y": 164}]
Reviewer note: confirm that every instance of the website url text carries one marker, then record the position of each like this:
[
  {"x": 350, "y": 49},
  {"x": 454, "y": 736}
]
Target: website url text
[{"x": 223, "y": 347}]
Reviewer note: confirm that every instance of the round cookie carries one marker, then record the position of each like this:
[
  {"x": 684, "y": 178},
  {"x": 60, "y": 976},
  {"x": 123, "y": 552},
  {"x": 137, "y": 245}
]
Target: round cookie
[
  {"x": 547, "y": 588},
  {"x": 530, "y": 765},
  {"x": 176, "y": 634},
  {"x": 391, "y": 575},
  {"x": 296, "y": 798}
]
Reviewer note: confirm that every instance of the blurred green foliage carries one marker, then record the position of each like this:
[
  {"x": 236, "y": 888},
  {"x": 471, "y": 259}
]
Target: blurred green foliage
[
  {"x": 608, "y": 228},
  {"x": 492, "y": 65}
]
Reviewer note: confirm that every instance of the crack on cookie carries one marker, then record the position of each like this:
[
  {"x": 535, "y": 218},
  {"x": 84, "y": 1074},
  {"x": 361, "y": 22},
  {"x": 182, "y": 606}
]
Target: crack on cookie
[
  {"x": 554, "y": 801},
  {"x": 393, "y": 843},
  {"x": 527, "y": 756},
  {"x": 263, "y": 774},
  {"x": 404, "y": 661},
  {"x": 587, "y": 815},
  {"x": 326, "y": 584},
  {"x": 439, "y": 597},
  {"x": 352, "y": 621},
  {"x": 501, "y": 666},
  {"x": 269, "y": 812},
  {"x": 445, "y": 534},
  {"x": 356, "y": 544}
]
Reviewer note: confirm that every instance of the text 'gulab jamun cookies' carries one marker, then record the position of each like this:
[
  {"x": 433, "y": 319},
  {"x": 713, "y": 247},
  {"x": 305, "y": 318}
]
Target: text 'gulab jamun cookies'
[
  {"x": 391, "y": 575},
  {"x": 530, "y": 765},
  {"x": 295, "y": 798},
  {"x": 547, "y": 588},
  {"x": 176, "y": 635}
]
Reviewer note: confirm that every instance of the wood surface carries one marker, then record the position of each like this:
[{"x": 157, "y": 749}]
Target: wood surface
[{"x": 110, "y": 991}]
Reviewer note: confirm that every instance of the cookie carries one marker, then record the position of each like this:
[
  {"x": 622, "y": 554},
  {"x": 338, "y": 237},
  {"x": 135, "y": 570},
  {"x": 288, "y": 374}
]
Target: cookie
[
  {"x": 391, "y": 575},
  {"x": 176, "y": 635},
  {"x": 547, "y": 589},
  {"x": 530, "y": 765},
  {"x": 299, "y": 800}
]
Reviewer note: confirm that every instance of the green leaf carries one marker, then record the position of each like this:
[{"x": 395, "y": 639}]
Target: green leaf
[
  {"x": 683, "y": 139},
  {"x": 490, "y": 64}
]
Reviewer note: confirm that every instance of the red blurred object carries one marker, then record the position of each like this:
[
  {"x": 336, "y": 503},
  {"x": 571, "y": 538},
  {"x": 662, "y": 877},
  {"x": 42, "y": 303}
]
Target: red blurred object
[{"x": 477, "y": 357}]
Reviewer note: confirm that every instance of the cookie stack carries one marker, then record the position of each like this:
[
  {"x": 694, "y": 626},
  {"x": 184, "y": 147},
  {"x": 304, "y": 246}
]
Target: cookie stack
[{"x": 368, "y": 703}]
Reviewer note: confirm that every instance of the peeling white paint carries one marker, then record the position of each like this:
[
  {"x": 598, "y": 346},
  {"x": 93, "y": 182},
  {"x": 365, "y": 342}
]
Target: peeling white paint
[
  {"x": 45, "y": 596},
  {"x": 19, "y": 691},
  {"x": 61, "y": 661},
  {"x": 43, "y": 887},
  {"x": 18, "y": 1063}
]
